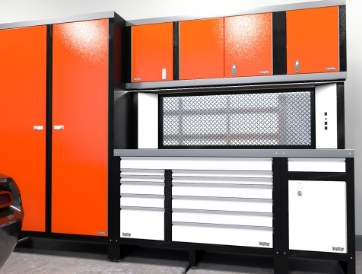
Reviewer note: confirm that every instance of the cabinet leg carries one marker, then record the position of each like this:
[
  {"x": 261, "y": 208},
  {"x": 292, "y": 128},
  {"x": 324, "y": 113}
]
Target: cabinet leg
[
  {"x": 281, "y": 263},
  {"x": 348, "y": 267},
  {"x": 114, "y": 253},
  {"x": 194, "y": 257}
]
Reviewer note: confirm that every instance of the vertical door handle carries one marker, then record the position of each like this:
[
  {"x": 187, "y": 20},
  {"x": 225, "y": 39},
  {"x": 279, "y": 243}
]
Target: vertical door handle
[
  {"x": 59, "y": 127},
  {"x": 233, "y": 70},
  {"x": 297, "y": 66},
  {"x": 38, "y": 127}
]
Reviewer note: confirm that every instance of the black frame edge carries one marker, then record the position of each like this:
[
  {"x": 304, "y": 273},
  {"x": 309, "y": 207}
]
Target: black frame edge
[
  {"x": 176, "y": 50},
  {"x": 350, "y": 184},
  {"x": 49, "y": 129},
  {"x": 279, "y": 43},
  {"x": 65, "y": 237},
  {"x": 342, "y": 39},
  {"x": 128, "y": 54},
  {"x": 168, "y": 206},
  {"x": 341, "y": 134}
]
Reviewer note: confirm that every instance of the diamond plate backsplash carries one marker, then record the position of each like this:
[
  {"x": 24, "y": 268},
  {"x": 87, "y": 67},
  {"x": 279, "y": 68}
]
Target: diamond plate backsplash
[{"x": 259, "y": 119}]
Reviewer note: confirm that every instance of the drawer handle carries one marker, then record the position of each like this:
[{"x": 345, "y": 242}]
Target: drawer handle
[
  {"x": 59, "y": 127},
  {"x": 38, "y": 127}
]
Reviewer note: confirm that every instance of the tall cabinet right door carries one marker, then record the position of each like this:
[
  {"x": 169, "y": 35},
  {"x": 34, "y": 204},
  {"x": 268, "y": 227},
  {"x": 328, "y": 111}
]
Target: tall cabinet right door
[
  {"x": 80, "y": 128},
  {"x": 313, "y": 40}
]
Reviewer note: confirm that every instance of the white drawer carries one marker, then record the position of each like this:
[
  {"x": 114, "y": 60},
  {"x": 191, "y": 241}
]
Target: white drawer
[
  {"x": 142, "y": 224},
  {"x": 143, "y": 201},
  {"x": 236, "y": 236},
  {"x": 155, "y": 189},
  {"x": 223, "y": 204},
  {"x": 227, "y": 218},
  {"x": 262, "y": 192},
  {"x": 317, "y": 165}
]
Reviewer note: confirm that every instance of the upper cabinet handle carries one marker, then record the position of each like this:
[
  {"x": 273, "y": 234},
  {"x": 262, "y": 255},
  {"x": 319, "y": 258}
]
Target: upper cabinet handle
[{"x": 59, "y": 127}]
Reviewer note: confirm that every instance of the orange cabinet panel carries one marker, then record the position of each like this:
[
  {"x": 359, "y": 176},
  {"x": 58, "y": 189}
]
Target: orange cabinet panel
[
  {"x": 248, "y": 45},
  {"x": 202, "y": 49},
  {"x": 313, "y": 40},
  {"x": 23, "y": 106},
  {"x": 152, "y": 52},
  {"x": 80, "y": 105}
]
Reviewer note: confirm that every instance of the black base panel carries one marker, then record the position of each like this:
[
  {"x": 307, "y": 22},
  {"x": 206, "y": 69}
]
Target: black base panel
[{"x": 66, "y": 237}]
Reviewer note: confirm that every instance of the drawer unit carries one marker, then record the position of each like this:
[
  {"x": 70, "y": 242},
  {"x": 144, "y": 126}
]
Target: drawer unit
[
  {"x": 142, "y": 188},
  {"x": 142, "y": 200},
  {"x": 141, "y": 223},
  {"x": 202, "y": 49},
  {"x": 142, "y": 181},
  {"x": 248, "y": 45},
  {"x": 224, "y": 204},
  {"x": 152, "y": 52},
  {"x": 318, "y": 216},
  {"x": 313, "y": 40},
  {"x": 223, "y": 235},
  {"x": 222, "y": 217}
]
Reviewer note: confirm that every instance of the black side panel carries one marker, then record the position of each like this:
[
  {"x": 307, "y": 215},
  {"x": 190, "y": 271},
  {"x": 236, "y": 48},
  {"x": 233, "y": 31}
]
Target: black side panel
[
  {"x": 176, "y": 50},
  {"x": 277, "y": 240},
  {"x": 351, "y": 241},
  {"x": 49, "y": 131},
  {"x": 279, "y": 43},
  {"x": 135, "y": 121},
  {"x": 168, "y": 206},
  {"x": 119, "y": 52},
  {"x": 128, "y": 54},
  {"x": 340, "y": 117},
  {"x": 312, "y": 120},
  {"x": 342, "y": 39},
  {"x": 284, "y": 204},
  {"x": 123, "y": 120}
]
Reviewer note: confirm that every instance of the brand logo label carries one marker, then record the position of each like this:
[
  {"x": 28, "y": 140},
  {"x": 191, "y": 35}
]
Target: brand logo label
[
  {"x": 101, "y": 233},
  {"x": 124, "y": 234},
  {"x": 334, "y": 248},
  {"x": 264, "y": 72},
  {"x": 137, "y": 79},
  {"x": 264, "y": 243},
  {"x": 330, "y": 68}
]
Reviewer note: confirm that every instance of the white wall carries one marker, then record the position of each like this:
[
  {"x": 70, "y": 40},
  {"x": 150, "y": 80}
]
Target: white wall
[{"x": 22, "y": 10}]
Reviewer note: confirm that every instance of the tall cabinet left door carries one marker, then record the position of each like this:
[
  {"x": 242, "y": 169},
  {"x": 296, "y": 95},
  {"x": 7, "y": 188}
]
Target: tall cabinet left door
[{"x": 23, "y": 117}]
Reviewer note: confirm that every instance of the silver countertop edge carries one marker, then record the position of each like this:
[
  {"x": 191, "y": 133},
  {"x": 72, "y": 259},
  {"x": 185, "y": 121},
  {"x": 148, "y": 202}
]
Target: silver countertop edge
[
  {"x": 57, "y": 20},
  {"x": 328, "y": 76},
  {"x": 250, "y": 153},
  {"x": 275, "y": 8}
]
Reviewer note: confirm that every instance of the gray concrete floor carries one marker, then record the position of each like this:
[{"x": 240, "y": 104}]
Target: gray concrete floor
[{"x": 53, "y": 257}]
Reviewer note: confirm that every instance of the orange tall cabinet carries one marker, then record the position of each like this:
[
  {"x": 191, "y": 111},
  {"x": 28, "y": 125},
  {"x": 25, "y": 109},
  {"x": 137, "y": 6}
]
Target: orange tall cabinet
[
  {"x": 23, "y": 117},
  {"x": 58, "y": 130},
  {"x": 313, "y": 44}
]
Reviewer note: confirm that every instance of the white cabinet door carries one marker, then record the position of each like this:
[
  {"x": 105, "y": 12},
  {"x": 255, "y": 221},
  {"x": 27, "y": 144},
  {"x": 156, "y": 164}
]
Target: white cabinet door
[{"x": 317, "y": 216}]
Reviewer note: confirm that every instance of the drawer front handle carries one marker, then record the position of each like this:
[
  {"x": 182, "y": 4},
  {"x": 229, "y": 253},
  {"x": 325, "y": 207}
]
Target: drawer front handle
[
  {"x": 38, "y": 127},
  {"x": 59, "y": 127}
]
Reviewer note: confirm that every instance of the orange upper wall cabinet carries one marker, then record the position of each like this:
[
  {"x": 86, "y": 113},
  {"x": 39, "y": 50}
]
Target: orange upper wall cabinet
[
  {"x": 248, "y": 45},
  {"x": 80, "y": 148},
  {"x": 202, "y": 49},
  {"x": 23, "y": 97},
  {"x": 313, "y": 40},
  {"x": 152, "y": 52}
]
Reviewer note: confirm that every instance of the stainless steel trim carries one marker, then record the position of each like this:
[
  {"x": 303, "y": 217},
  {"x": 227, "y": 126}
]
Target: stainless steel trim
[
  {"x": 224, "y": 226},
  {"x": 234, "y": 174},
  {"x": 297, "y": 66},
  {"x": 181, "y": 210},
  {"x": 328, "y": 76},
  {"x": 151, "y": 196},
  {"x": 236, "y": 153},
  {"x": 214, "y": 179},
  {"x": 58, "y": 20},
  {"x": 142, "y": 208},
  {"x": 275, "y": 8},
  {"x": 141, "y": 183},
  {"x": 221, "y": 185},
  {"x": 233, "y": 70},
  {"x": 212, "y": 198},
  {"x": 145, "y": 177}
]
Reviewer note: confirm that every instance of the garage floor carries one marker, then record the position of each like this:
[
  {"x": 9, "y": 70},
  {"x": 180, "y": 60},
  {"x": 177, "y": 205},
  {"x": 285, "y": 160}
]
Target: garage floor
[{"x": 49, "y": 256}]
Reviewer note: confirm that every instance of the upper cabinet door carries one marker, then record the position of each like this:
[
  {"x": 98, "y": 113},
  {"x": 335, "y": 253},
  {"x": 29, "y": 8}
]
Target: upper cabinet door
[
  {"x": 80, "y": 128},
  {"x": 248, "y": 45},
  {"x": 23, "y": 54},
  {"x": 152, "y": 52},
  {"x": 313, "y": 40},
  {"x": 202, "y": 49}
]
